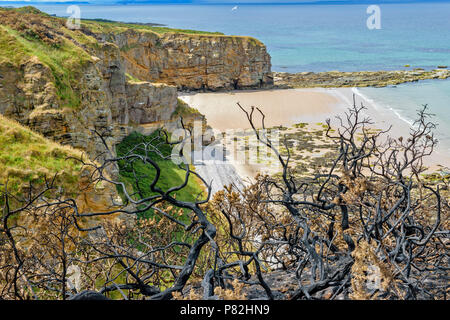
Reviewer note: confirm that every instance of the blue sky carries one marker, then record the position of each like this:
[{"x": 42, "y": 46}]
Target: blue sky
[{"x": 230, "y": 1}]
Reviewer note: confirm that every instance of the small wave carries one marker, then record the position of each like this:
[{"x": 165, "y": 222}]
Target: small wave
[
  {"x": 377, "y": 107},
  {"x": 397, "y": 113},
  {"x": 364, "y": 97}
]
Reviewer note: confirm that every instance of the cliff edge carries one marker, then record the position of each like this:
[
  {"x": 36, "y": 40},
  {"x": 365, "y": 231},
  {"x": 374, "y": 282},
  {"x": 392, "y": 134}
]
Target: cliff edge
[{"x": 110, "y": 77}]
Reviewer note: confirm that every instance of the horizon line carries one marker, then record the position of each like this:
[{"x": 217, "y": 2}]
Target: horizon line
[{"x": 203, "y": 2}]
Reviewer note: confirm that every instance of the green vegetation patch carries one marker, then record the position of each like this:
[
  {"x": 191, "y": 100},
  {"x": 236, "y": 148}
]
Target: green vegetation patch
[
  {"x": 65, "y": 60},
  {"x": 101, "y": 25},
  {"x": 171, "y": 174},
  {"x": 132, "y": 79},
  {"x": 26, "y": 156},
  {"x": 184, "y": 110},
  {"x": 26, "y": 32}
]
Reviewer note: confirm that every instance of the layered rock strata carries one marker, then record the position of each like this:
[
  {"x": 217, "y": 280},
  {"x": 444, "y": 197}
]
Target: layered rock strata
[
  {"x": 193, "y": 62},
  {"x": 110, "y": 78}
]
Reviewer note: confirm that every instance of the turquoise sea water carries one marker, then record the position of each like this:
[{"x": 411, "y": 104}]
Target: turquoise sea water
[
  {"x": 323, "y": 38},
  {"x": 310, "y": 37},
  {"x": 405, "y": 100}
]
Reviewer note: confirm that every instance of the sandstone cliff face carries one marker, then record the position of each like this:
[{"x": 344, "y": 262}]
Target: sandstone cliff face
[
  {"x": 109, "y": 104},
  {"x": 210, "y": 62},
  {"x": 70, "y": 84},
  {"x": 150, "y": 102}
]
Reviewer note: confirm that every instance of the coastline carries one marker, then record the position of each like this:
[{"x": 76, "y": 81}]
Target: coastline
[
  {"x": 384, "y": 118},
  {"x": 281, "y": 106},
  {"x": 288, "y": 107},
  {"x": 112, "y": 135}
]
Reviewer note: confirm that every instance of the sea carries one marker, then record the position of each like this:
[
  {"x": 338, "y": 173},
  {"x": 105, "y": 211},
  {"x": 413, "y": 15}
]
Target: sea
[{"x": 344, "y": 37}]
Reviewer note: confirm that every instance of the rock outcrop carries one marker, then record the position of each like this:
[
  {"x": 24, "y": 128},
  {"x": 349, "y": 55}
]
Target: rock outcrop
[
  {"x": 207, "y": 62},
  {"x": 336, "y": 79},
  {"x": 150, "y": 102},
  {"x": 109, "y": 104}
]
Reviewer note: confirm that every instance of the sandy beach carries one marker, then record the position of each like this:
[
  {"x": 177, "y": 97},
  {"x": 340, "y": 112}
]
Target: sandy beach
[
  {"x": 281, "y": 107},
  {"x": 288, "y": 107}
]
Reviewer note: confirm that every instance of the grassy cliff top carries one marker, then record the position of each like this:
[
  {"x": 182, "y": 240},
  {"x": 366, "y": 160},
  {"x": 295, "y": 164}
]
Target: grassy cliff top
[
  {"x": 105, "y": 26},
  {"x": 27, "y": 32},
  {"x": 27, "y": 157},
  {"x": 115, "y": 26}
]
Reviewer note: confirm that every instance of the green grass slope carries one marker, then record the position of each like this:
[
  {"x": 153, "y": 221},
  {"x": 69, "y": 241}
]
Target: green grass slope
[
  {"x": 171, "y": 174},
  {"x": 26, "y": 156}
]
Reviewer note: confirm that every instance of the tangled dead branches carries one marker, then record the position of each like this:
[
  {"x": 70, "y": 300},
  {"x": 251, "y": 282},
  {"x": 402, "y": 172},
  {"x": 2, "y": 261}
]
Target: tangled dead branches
[{"x": 373, "y": 226}]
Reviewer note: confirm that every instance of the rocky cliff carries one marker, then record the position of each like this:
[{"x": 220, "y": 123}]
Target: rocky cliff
[
  {"x": 111, "y": 77},
  {"x": 194, "y": 61}
]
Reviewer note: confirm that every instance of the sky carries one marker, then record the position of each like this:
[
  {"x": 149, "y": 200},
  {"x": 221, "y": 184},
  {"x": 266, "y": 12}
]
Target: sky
[
  {"x": 228, "y": 1},
  {"x": 231, "y": 1}
]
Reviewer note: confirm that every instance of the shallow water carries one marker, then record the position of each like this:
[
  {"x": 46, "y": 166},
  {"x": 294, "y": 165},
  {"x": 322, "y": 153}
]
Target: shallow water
[{"x": 405, "y": 100}]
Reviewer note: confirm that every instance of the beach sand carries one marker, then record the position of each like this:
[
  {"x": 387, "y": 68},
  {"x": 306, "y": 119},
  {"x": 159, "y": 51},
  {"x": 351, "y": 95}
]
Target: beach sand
[
  {"x": 281, "y": 107},
  {"x": 287, "y": 107}
]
